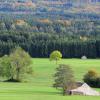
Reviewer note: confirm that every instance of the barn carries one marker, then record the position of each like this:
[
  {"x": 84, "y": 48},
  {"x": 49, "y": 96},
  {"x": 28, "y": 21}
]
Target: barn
[{"x": 84, "y": 89}]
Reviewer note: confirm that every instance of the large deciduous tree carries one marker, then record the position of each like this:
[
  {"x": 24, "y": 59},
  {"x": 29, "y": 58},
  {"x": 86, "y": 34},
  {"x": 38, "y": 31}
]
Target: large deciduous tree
[{"x": 16, "y": 65}]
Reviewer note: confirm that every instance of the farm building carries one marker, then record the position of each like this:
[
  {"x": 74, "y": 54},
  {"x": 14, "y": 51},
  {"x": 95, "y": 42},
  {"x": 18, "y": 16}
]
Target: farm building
[{"x": 84, "y": 89}]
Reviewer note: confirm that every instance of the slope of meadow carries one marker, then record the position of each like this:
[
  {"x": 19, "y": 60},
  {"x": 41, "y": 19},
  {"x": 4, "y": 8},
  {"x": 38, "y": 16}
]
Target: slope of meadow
[{"x": 40, "y": 86}]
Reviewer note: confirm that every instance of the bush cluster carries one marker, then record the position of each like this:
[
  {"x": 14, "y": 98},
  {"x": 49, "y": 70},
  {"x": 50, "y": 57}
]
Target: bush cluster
[{"x": 92, "y": 78}]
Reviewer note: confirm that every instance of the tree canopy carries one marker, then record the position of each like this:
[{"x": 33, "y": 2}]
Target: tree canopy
[
  {"x": 55, "y": 55},
  {"x": 16, "y": 65},
  {"x": 64, "y": 78}
]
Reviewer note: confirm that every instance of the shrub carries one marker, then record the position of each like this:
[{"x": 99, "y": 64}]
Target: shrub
[{"x": 92, "y": 78}]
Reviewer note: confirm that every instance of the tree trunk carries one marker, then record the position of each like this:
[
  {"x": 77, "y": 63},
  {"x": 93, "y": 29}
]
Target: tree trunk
[
  {"x": 56, "y": 62},
  {"x": 17, "y": 76},
  {"x": 18, "y": 72},
  {"x": 64, "y": 92},
  {"x": 12, "y": 78}
]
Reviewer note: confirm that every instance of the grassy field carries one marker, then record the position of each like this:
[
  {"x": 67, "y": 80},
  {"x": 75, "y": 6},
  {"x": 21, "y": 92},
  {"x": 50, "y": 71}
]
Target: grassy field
[{"x": 40, "y": 86}]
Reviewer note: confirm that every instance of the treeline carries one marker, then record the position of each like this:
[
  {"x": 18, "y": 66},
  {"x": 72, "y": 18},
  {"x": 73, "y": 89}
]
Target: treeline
[
  {"x": 42, "y": 44},
  {"x": 59, "y": 27}
]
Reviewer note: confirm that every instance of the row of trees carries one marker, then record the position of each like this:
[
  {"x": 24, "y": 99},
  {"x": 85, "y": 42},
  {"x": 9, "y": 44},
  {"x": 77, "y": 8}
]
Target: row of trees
[{"x": 41, "y": 45}]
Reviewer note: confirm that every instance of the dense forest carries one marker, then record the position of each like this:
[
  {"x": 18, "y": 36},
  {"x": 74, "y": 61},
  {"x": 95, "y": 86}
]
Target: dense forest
[
  {"x": 40, "y": 36},
  {"x": 40, "y": 27}
]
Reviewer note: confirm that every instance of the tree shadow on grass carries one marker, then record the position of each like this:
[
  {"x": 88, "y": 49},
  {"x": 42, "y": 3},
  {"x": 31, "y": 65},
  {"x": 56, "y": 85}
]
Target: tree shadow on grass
[
  {"x": 10, "y": 81},
  {"x": 47, "y": 93},
  {"x": 36, "y": 92}
]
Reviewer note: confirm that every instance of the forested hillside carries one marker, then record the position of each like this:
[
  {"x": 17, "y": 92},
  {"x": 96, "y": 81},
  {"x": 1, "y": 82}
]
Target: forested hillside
[{"x": 43, "y": 26}]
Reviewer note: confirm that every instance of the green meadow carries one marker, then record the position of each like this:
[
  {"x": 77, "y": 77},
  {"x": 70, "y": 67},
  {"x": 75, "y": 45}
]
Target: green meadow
[{"x": 39, "y": 87}]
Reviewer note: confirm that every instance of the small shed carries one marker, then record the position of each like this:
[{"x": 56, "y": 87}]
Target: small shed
[{"x": 84, "y": 90}]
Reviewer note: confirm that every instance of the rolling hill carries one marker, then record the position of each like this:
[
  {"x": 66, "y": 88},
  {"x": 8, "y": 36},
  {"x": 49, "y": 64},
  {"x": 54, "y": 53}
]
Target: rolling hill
[{"x": 50, "y": 5}]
